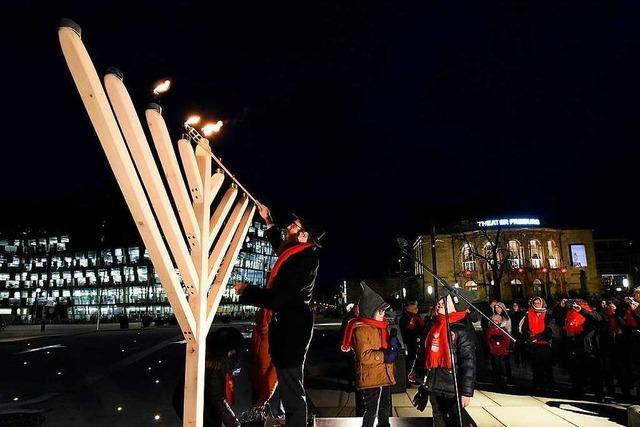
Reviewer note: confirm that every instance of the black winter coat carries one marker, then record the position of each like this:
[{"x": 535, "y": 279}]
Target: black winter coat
[
  {"x": 440, "y": 380},
  {"x": 291, "y": 328}
]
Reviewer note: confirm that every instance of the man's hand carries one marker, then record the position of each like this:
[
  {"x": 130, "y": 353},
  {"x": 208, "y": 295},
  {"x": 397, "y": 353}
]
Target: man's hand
[
  {"x": 264, "y": 213},
  {"x": 577, "y": 307},
  {"x": 239, "y": 287},
  {"x": 465, "y": 400},
  {"x": 634, "y": 304},
  {"x": 412, "y": 377}
]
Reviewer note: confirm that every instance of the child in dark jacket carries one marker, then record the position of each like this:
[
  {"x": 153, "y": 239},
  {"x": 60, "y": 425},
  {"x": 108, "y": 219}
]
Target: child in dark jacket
[
  {"x": 221, "y": 359},
  {"x": 439, "y": 366}
]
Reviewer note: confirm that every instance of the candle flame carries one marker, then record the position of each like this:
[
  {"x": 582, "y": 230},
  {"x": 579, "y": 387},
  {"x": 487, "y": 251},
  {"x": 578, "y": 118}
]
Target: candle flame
[
  {"x": 211, "y": 128},
  {"x": 162, "y": 87},
  {"x": 192, "y": 120}
]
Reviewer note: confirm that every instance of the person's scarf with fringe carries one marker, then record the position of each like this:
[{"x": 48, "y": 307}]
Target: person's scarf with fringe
[{"x": 437, "y": 345}]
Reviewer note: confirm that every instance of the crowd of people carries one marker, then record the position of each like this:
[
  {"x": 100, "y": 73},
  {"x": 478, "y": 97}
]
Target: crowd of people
[{"x": 595, "y": 339}]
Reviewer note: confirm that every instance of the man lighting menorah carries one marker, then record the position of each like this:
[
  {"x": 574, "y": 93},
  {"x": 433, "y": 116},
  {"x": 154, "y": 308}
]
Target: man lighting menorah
[{"x": 286, "y": 300}]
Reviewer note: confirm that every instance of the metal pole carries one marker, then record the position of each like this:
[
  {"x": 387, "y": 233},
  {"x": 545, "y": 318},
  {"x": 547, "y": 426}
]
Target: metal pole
[
  {"x": 454, "y": 291},
  {"x": 433, "y": 261},
  {"x": 195, "y": 136},
  {"x": 454, "y": 369}
]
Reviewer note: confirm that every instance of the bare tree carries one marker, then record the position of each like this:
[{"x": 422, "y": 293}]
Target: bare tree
[{"x": 492, "y": 250}]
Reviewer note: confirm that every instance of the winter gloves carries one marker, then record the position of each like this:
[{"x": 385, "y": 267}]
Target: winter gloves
[{"x": 391, "y": 353}]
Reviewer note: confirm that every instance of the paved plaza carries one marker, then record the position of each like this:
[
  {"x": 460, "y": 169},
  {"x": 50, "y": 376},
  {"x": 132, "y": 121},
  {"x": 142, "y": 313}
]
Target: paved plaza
[{"x": 76, "y": 376}]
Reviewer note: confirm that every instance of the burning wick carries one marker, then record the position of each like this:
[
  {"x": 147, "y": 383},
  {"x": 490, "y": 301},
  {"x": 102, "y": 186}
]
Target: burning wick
[
  {"x": 192, "y": 120},
  {"x": 211, "y": 128},
  {"x": 162, "y": 87}
]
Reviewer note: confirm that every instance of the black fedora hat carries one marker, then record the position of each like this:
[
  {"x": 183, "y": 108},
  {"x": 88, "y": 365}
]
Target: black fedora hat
[{"x": 315, "y": 232}]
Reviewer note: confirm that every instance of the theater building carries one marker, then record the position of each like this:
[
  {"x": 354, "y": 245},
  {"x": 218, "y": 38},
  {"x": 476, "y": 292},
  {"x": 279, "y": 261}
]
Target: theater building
[
  {"x": 45, "y": 277},
  {"x": 510, "y": 258}
]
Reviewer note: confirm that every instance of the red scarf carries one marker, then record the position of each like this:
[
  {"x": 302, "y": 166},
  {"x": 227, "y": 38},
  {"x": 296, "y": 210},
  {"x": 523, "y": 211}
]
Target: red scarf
[
  {"x": 574, "y": 322},
  {"x": 613, "y": 320},
  {"x": 284, "y": 256},
  {"x": 382, "y": 326},
  {"x": 536, "y": 321},
  {"x": 437, "y": 344},
  {"x": 629, "y": 320},
  {"x": 228, "y": 388}
]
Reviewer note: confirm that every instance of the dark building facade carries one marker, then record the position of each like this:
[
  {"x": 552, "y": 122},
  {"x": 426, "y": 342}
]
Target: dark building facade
[
  {"x": 618, "y": 263},
  {"x": 45, "y": 277}
]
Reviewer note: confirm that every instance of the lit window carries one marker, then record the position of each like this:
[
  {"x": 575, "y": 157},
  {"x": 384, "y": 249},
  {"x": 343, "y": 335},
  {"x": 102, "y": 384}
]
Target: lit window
[
  {"x": 535, "y": 249},
  {"x": 468, "y": 257}
]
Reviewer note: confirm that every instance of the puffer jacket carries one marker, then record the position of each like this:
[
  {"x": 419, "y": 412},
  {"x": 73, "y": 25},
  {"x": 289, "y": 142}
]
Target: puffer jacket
[
  {"x": 371, "y": 371},
  {"x": 440, "y": 380}
]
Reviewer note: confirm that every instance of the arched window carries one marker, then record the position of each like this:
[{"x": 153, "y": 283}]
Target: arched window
[
  {"x": 515, "y": 254},
  {"x": 468, "y": 257},
  {"x": 535, "y": 252},
  {"x": 517, "y": 290},
  {"x": 537, "y": 287},
  {"x": 553, "y": 254},
  {"x": 488, "y": 253}
]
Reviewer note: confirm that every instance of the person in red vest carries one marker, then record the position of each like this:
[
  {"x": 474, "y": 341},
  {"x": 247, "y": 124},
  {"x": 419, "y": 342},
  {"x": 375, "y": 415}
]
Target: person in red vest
[
  {"x": 288, "y": 317},
  {"x": 582, "y": 326},
  {"x": 534, "y": 328}
]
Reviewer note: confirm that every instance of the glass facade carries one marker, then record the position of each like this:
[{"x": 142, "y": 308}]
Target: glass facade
[{"x": 43, "y": 278}]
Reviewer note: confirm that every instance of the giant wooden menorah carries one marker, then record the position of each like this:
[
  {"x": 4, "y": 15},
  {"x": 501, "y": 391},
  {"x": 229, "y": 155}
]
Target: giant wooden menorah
[{"x": 204, "y": 246}]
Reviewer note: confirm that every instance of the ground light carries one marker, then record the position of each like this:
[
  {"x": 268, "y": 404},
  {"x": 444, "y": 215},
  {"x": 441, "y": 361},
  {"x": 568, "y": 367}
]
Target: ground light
[
  {"x": 119, "y": 409},
  {"x": 157, "y": 417}
]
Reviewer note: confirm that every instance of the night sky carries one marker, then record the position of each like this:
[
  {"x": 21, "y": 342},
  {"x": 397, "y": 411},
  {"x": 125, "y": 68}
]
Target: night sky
[{"x": 375, "y": 119}]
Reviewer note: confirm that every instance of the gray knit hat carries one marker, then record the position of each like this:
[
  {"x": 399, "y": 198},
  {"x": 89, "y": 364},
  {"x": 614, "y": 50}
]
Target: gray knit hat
[
  {"x": 459, "y": 303},
  {"x": 370, "y": 302}
]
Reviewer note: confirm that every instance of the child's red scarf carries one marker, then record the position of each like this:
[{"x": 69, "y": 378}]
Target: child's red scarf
[
  {"x": 382, "y": 326},
  {"x": 437, "y": 344}
]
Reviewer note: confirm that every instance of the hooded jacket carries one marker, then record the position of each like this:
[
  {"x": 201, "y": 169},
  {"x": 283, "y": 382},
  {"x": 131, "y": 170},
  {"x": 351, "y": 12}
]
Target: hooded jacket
[
  {"x": 371, "y": 371},
  {"x": 506, "y": 320},
  {"x": 367, "y": 343}
]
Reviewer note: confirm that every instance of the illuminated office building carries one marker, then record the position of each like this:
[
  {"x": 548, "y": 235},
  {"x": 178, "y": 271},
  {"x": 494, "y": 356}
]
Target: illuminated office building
[{"x": 44, "y": 276}]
